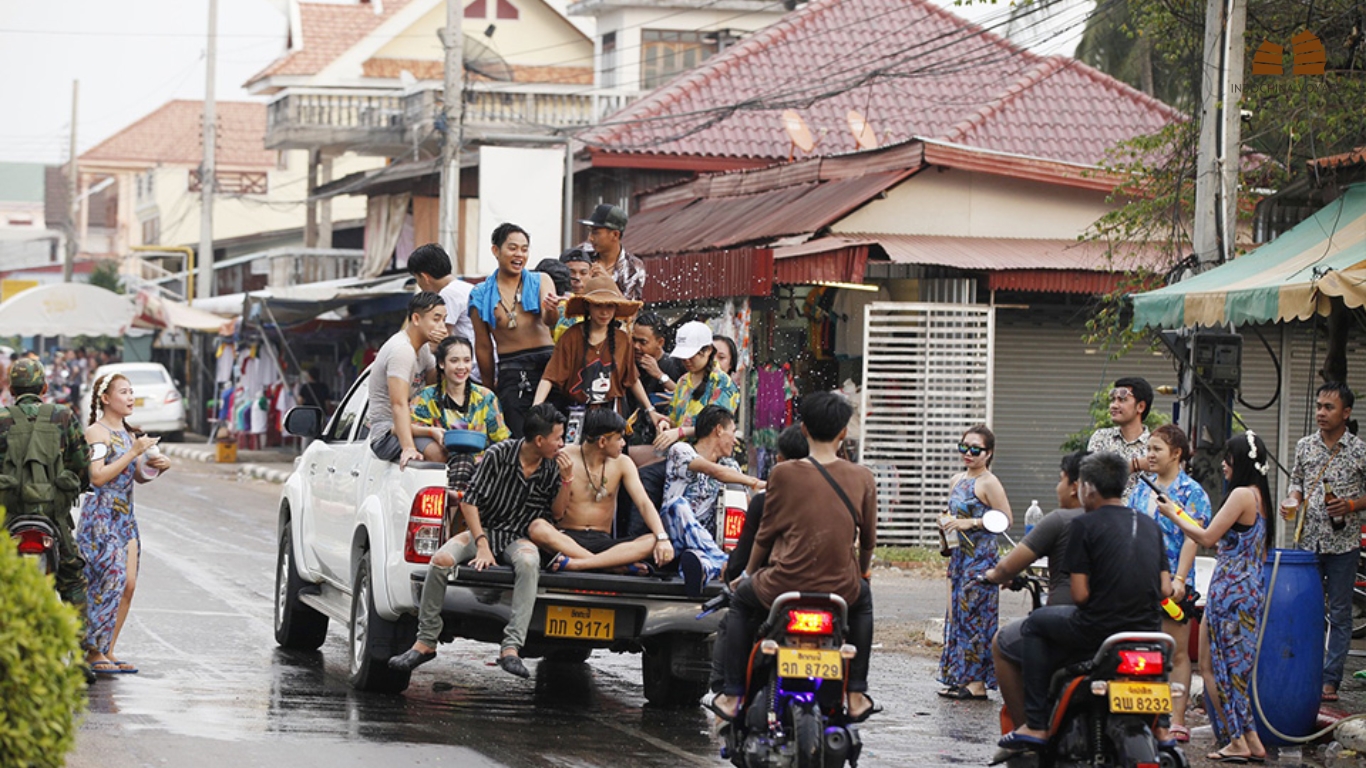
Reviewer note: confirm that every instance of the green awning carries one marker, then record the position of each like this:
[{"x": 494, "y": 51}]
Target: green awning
[{"x": 1289, "y": 278}]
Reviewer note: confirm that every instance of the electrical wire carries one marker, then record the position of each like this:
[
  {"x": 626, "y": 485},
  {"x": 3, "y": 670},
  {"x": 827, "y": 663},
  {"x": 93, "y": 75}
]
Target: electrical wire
[{"x": 1274, "y": 362}]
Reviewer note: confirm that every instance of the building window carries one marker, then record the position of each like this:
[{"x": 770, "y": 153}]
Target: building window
[
  {"x": 151, "y": 231},
  {"x": 608, "y": 72},
  {"x": 507, "y": 10},
  {"x": 235, "y": 182},
  {"x": 20, "y": 221},
  {"x": 479, "y": 9},
  {"x": 665, "y": 53}
]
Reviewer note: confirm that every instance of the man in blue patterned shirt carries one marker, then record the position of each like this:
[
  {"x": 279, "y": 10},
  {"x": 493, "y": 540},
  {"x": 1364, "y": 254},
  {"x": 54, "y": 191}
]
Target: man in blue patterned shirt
[{"x": 1331, "y": 458}]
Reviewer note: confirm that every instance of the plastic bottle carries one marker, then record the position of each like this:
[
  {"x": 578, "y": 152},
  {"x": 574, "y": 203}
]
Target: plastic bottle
[
  {"x": 1032, "y": 515},
  {"x": 149, "y": 471},
  {"x": 1173, "y": 609}
]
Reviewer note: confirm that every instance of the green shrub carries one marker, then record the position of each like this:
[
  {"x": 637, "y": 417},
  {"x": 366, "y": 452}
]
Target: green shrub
[{"x": 42, "y": 688}]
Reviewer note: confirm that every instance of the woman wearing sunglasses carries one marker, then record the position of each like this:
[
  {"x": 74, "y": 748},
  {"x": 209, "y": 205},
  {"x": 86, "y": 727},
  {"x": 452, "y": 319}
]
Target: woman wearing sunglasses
[{"x": 970, "y": 622}]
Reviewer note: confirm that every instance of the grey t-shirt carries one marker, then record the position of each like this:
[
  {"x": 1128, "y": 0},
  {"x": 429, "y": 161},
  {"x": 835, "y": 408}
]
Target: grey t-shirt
[
  {"x": 1049, "y": 539},
  {"x": 398, "y": 360}
]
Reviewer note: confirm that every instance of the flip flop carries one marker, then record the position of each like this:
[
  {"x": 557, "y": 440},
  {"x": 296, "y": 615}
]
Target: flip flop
[
  {"x": 105, "y": 668},
  {"x": 1181, "y": 734},
  {"x": 1220, "y": 757},
  {"x": 558, "y": 563},
  {"x": 722, "y": 715},
  {"x": 126, "y": 668},
  {"x": 1018, "y": 742},
  {"x": 1257, "y": 758},
  {"x": 872, "y": 709},
  {"x": 640, "y": 569},
  {"x": 1328, "y": 696},
  {"x": 961, "y": 694}
]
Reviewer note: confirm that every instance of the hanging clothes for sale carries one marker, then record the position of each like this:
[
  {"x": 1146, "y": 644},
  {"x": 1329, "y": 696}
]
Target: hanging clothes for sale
[{"x": 774, "y": 392}]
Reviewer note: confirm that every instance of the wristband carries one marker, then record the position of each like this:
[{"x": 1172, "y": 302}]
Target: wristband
[
  {"x": 1180, "y": 580},
  {"x": 480, "y": 536},
  {"x": 566, "y": 482},
  {"x": 680, "y": 433},
  {"x": 1351, "y": 505},
  {"x": 662, "y": 537}
]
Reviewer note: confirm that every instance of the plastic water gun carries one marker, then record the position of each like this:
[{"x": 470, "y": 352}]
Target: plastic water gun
[
  {"x": 1173, "y": 609},
  {"x": 1181, "y": 513}
]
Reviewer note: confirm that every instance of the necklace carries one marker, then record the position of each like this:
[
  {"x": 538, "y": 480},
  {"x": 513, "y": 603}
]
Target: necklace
[
  {"x": 516, "y": 302},
  {"x": 600, "y": 487}
]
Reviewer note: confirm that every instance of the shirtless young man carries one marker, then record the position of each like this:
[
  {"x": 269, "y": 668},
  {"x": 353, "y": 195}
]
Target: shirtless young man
[
  {"x": 582, "y": 535},
  {"x": 504, "y": 311}
]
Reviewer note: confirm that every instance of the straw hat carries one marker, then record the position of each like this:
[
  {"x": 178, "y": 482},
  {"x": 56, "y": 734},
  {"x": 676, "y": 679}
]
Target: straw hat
[{"x": 600, "y": 289}]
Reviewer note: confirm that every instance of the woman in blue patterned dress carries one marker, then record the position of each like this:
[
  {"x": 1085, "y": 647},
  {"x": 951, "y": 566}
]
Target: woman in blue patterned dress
[
  {"x": 1228, "y": 634},
  {"x": 1168, "y": 451},
  {"x": 108, "y": 535},
  {"x": 969, "y": 624}
]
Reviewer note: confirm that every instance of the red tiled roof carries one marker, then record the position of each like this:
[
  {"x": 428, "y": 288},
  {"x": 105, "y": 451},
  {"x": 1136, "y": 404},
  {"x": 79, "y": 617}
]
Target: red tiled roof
[
  {"x": 174, "y": 134},
  {"x": 327, "y": 30},
  {"x": 1355, "y": 157},
  {"x": 911, "y": 68}
]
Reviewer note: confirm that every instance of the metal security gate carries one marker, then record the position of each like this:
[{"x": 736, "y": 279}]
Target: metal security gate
[{"x": 927, "y": 376}]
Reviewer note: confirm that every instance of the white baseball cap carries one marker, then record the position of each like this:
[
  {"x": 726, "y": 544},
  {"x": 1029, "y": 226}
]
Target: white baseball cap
[{"x": 691, "y": 338}]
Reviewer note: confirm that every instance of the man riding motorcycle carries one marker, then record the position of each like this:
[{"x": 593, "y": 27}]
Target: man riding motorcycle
[
  {"x": 1119, "y": 576},
  {"x": 814, "y": 538}
]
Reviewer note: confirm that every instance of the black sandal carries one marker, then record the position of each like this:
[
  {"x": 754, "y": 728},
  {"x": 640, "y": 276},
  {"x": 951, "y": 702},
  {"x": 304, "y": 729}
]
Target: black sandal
[{"x": 872, "y": 709}]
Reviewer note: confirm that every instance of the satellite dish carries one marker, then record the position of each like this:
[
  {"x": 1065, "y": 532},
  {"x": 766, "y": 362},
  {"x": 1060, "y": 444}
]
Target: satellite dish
[
  {"x": 863, "y": 132},
  {"x": 797, "y": 131},
  {"x": 481, "y": 59}
]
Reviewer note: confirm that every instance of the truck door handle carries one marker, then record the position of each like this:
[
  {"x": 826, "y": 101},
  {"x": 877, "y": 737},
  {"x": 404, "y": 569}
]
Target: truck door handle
[{"x": 332, "y": 470}]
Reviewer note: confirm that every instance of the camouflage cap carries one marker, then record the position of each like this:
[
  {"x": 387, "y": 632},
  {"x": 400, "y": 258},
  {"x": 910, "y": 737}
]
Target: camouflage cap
[{"x": 27, "y": 373}]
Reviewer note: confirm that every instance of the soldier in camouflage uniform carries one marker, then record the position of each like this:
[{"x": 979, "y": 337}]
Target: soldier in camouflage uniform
[{"x": 28, "y": 383}]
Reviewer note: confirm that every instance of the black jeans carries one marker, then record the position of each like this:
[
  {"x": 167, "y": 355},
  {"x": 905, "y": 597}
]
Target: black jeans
[
  {"x": 519, "y": 373},
  {"x": 1049, "y": 643},
  {"x": 747, "y": 613}
]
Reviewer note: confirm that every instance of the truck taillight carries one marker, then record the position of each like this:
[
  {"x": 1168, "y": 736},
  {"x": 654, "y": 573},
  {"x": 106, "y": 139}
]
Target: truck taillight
[
  {"x": 733, "y": 524},
  {"x": 810, "y": 622},
  {"x": 1140, "y": 663},
  {"x": 424, "y": 525}
]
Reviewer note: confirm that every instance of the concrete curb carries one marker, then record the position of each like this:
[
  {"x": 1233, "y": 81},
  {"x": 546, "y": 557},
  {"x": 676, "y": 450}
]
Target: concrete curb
[{"x": 210, "y": 456}]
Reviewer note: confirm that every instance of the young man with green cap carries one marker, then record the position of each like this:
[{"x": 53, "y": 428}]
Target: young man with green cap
[{"x": 607, "y": 224}]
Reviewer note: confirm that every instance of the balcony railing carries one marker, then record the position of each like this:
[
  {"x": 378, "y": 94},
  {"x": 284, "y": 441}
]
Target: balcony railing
[{"x": 391, "y": 123}]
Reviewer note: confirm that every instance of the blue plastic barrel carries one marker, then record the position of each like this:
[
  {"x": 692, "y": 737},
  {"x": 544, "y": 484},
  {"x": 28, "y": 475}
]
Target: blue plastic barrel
[{"x": 1290, "y": 663}]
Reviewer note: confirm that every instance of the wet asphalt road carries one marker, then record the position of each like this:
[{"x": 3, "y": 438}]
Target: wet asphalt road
[{"x": 214, "y": 690}]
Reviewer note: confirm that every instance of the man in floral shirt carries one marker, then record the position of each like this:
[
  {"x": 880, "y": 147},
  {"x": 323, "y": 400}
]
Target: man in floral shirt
[
  {"x": 1335, "y": 458},
  {"x": 1130, "y": 401},
  {"x": 606, "y": 227}
]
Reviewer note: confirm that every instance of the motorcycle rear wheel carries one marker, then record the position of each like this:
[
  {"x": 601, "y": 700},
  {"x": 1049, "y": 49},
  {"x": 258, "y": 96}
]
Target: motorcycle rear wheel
[{"x": 807, "y": 726}]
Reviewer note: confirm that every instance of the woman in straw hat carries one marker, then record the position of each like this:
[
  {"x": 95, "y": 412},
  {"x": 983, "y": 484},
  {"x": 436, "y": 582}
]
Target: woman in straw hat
[{"x": 595, "y": 364}]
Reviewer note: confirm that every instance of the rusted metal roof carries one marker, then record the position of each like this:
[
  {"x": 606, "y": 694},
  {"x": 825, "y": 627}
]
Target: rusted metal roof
[
  {"x": 703, "y": 224},
  {"x": 713, "y": 274},
  {"x": 1054, "y": 281}
]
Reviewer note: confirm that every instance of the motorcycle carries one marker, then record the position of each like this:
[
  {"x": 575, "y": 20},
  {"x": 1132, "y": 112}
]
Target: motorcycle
[
  {"x": 793, "y": 712},
  {"x": 35, "y": 537}
]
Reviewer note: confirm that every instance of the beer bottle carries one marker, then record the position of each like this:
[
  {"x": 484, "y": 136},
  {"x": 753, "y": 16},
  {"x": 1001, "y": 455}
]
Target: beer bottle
[{"x": 1329, "y": 497}]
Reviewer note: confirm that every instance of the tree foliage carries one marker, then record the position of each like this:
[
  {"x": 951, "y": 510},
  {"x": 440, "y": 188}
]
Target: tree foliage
[{"x": 106, "y": 275}]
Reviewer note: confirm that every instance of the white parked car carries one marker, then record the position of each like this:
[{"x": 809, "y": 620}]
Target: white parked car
[{"x": 159, "y": 409}]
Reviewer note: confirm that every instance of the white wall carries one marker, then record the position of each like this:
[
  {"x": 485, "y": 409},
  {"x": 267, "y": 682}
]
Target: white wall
[
  {"x": 969, "y": 204},
  {"x": 539, "y": 36}
]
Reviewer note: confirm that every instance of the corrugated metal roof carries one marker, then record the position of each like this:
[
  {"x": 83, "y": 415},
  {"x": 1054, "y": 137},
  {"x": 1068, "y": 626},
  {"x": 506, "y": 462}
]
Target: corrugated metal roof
[
  {"x": 720, "y": 222},
  {"x": 911, "y": 69},
  {"x": 1054, "y": 281},
  {"x": 714, "y": 274},
  {"x": 1007, "y": 253}
]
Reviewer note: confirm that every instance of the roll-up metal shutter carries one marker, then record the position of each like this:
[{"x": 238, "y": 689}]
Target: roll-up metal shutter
[{"x": 927, "y": 375}]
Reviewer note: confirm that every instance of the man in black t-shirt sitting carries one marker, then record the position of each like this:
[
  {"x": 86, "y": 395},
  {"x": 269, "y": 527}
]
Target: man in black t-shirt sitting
[{"x": 1119, "y": 576}]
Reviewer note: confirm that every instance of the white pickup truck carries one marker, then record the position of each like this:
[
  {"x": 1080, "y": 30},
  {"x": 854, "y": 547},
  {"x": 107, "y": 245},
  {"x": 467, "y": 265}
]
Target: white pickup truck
[{"x": 355, "y": 536}]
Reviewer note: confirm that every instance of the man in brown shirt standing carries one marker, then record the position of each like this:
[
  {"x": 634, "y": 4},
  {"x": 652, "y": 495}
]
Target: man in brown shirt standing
[{"x": 810, "y": 540}]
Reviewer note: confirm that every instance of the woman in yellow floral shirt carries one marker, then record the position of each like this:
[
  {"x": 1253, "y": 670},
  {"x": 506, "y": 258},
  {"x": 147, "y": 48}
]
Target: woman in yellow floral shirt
[
  {"x": 701, "y": 386},
  {"x": 455, "y": 402}
]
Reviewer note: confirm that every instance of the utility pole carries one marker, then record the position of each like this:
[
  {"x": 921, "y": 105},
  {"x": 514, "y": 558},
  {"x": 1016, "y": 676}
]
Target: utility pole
[
  {"x": 454, "y": 99},
  {"x": 1219, "y": 153},
  {"x": 207, "y": 179},
  {"x": 73, "y": 201}
]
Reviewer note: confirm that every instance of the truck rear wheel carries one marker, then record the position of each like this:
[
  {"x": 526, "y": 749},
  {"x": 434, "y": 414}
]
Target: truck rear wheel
[
  {"x": 297, "y": 626},
  {"x": 660, "y": 663},
  {"x": 374, "y": 639}
]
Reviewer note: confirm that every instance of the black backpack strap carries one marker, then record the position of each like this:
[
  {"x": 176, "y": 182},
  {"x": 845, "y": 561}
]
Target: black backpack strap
[{"x": 844, "y": 497}]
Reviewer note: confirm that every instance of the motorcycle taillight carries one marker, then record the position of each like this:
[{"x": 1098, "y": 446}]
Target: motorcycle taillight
[
  {"x": 734, "y": 524},
  {"x": 32, "y": 542},
  {"x": 424, "y": 525},
  {"x": 1140, "y": 663},
  {"x": 810, "y": 622}
]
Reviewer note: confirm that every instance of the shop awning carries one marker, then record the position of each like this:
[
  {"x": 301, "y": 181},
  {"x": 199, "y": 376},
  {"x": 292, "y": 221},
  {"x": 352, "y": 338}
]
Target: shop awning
[
  {"x": 1289, "y": 278},
  {"x": 295, "y": 304},
  {"x": 67, "y": 309}
]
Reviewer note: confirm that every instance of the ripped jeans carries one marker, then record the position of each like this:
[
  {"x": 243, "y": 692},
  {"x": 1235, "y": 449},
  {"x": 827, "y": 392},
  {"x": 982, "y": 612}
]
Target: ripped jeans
[{"x": 525, "y": 560}]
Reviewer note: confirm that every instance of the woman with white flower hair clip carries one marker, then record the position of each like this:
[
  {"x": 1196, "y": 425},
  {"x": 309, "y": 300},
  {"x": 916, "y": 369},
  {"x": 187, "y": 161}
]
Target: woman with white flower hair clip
[
  {"x": 1241, "y": 530},
  {"x": 108, "y": 536}
]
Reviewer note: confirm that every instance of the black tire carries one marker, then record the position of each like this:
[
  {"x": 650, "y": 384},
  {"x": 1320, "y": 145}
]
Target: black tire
[
  {"x": 662, "y": 687},
  {"x": 297, "y": 626},
  {"x": 374, "y": 639},
  {"x": 810, "y": 737},
  {"x": 568, "y": 655}
]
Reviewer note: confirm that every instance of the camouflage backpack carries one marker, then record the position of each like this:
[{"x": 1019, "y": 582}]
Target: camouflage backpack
[{"x": 33, "y": 480}]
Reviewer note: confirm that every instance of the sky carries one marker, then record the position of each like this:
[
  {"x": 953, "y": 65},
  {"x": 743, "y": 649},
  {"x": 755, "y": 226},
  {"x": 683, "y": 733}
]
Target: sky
[{"x": 132, "y": 56}]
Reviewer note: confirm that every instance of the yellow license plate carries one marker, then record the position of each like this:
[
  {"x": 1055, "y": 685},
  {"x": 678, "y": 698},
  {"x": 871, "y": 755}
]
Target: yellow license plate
[
  {"x": 137, "y": 402},
  {"x": 1141, "y": 698},
  {"x": 580, "y": 623},
  {"x": 794, "y": 662}
]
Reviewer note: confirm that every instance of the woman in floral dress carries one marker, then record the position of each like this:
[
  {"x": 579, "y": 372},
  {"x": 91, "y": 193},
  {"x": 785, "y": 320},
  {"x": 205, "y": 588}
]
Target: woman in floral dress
[
  {"x": 108, "y": 535},
  {"x": 970, "y": 622},
  {"x": 1228, "y": 634}
]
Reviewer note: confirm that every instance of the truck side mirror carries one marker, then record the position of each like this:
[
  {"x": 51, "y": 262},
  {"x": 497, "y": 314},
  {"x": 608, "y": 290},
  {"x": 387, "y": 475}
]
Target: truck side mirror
[{"x": 304, "y": 421}]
